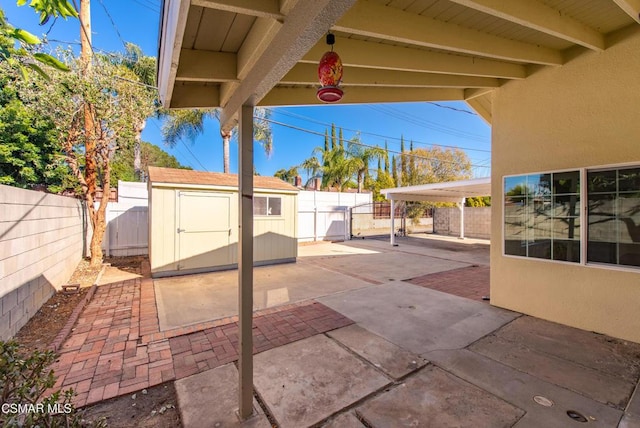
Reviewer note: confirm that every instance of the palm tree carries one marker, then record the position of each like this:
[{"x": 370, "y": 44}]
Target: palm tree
[
  {"x": 144, "y": 67},
  {"x": 288, "y": 175},
  {"x": 361, "y": 157},
  {"x": 190, "y": 123},
  {"x": 312, "y": 167},
  {"x": 336, "y": 168}
]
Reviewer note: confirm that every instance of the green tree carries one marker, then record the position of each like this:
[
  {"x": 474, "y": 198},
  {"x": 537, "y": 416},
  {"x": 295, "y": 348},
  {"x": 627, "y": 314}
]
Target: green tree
[
  {"x": 288, "y": 175},
  {"x": 116, "y": 101},
  {"x": 312, "y": 167},
  {"x": 386, "y": 159},
  {"x": 188, "y": 124},
  {"x": 403, "y": 164},
  {"x": 144, "y": 67},
  {"x": 436, "y": 165},
  {"x": 479, "y": 201},
  {"x": 24, "y": 56},
  {"x": 150, "y": 155},
  {"x": 360, "y": 157},
  {"x": 394, "y": 172},
  {"x": 30, "y": 154}
]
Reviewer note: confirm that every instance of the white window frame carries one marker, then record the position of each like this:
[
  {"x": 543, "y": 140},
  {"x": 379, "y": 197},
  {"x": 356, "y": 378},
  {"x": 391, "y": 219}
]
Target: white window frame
[
  {"x": 267, "y": 198},
  {"x": 583, "y": 218}
]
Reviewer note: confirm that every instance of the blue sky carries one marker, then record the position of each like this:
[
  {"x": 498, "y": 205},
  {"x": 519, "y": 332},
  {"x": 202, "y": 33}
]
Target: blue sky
[{"x": 137, "y": 21}]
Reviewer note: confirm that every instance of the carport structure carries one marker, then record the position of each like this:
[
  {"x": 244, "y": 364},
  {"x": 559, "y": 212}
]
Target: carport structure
[
  {"x": 452, "y": 191},
  {"x": 556, "y": 79}
]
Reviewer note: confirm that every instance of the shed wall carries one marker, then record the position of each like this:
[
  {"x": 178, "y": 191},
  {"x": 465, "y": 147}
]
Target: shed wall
[{"x": 275, "y": 236}]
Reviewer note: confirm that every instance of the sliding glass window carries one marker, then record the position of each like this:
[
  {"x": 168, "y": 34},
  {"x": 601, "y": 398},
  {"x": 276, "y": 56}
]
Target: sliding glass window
[
  {"x": 542, "y": 216},
  {"x": 614, "y": 216}
]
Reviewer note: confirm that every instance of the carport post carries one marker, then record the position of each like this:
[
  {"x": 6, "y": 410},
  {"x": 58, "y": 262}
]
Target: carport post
[
  {"x": 245, "y": 261},
  {"x": 392, "y": 235},
  {"x": 461, "y": 208}
]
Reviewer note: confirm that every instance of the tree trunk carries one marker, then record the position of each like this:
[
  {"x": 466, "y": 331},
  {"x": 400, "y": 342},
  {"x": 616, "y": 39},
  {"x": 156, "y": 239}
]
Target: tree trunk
[
  {"x": 90, "y": 168},
  {"x": 137, "y": 161},
  {"x": 226, "y": 137},
  {"x": 98, "y": 217}
]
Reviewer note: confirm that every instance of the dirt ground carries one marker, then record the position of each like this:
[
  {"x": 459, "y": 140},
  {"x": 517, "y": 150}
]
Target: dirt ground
[
  {"x": 149, "y": 408},
  {"x": 155, "y": 408}
]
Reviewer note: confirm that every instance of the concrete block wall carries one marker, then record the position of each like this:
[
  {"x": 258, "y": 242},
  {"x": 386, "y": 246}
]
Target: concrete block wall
[
  {"x": 477, "y": 222},
  {"x": 40, "y": 246}
]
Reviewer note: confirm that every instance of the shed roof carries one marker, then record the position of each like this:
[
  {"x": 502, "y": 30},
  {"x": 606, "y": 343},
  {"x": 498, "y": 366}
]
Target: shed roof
[{"x": 186, "y": 176}]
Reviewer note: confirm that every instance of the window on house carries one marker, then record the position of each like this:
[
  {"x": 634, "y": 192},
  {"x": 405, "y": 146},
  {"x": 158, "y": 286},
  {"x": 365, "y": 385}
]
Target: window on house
[
  {"x": 267, "y": 206},
  {"x": 542, "y": 216},
  {"x": 613, "y": 209}
]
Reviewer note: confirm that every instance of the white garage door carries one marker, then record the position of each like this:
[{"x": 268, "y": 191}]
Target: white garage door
[{"x": 204, "y": 230}]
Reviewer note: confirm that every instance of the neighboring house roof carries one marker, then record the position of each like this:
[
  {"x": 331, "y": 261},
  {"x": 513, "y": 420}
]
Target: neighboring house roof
[{"x": 186, "y": 176}]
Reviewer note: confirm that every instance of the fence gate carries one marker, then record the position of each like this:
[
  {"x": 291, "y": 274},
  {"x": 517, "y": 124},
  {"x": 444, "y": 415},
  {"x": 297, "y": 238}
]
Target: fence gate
[{"x": 374, "y": 219}]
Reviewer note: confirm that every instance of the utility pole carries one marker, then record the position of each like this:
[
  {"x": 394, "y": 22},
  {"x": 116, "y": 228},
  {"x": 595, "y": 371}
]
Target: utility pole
[{"x": 86, "y": 56}]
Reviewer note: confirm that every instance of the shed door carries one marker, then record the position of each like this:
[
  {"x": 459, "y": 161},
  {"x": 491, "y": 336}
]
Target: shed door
[{"x": 204, "y": 230}]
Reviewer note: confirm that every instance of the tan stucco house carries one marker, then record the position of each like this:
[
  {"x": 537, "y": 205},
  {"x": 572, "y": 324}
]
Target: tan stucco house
[{"x": 558, "y": 80}]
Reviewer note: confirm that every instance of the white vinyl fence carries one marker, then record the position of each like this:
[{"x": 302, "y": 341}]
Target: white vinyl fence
[
  {"x": 324, "y": 216},
  {"x": 127, "y": 231}
]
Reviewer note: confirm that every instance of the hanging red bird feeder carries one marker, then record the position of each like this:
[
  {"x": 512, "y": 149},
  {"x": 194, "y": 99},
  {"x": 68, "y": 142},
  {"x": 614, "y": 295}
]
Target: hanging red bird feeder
[{"x": 330, "y": 74}]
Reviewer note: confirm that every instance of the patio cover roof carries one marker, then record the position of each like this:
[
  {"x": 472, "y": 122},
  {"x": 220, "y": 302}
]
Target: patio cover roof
[
  {"x": 451, "y": 191},
  {"x": 228, "y": 53}
]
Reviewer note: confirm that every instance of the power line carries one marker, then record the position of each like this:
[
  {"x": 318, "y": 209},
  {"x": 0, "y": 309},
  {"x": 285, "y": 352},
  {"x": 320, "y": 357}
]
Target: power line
[
  {"x": 113, "y": 24},
  {"x": 186, "y": 147},
  {"x": 416, "y": 120},
  {"x": 385, "y": 137},
  {"x": 361, "y": 144},
  {"x": 146, "y": 6},
  {"x": 452, "y": 108}
]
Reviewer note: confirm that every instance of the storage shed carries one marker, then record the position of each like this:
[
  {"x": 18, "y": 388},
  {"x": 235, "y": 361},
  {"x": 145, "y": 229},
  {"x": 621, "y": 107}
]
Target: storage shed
[{"x": 193, "y": 221}]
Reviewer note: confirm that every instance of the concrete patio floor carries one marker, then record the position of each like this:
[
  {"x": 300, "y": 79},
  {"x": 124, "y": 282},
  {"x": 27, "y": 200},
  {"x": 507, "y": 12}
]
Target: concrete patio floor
[
  {"x": 366, "y": 337},
  {"x": 322, "y": 269},
  {"x": 423, "y": 358}
]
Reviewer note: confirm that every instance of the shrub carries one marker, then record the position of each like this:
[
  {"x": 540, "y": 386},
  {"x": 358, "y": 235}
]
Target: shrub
[{"x": 23, "y": 383}]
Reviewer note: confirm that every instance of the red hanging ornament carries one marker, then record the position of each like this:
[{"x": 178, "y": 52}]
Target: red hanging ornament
[{"x": 330, "y": 74}]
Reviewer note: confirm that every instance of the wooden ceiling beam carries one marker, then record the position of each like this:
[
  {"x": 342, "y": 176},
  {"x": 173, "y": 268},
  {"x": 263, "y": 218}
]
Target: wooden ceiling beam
[
  {"x": 259, "y": 8},
  {"x": 286, "y": 96},
  {"x": 358, "y": 53},
  {"x": 370, "y": 19},
  {"x": 307, "y": 74},
  {"x": 535, "y": 15},
  {"x": 630, "y": 7}
]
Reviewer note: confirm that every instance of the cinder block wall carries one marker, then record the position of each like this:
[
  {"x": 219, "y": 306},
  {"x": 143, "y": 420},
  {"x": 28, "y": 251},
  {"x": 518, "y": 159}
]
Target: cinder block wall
[
  {"x": 40, "y": 247},
  {"x": 477, "y": 222}
]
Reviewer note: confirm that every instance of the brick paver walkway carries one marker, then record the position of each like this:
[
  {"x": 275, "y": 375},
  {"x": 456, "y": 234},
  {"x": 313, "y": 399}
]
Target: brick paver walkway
[
  {"x": 116, "y": 346},
  {"x": 471, "y": 282}
]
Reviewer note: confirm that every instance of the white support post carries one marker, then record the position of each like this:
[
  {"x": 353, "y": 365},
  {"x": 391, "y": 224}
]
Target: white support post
[
  {"x": 392, "y": 234},
  {"x": 245, "y": 262},
  {"x": 461, "y": 207}
]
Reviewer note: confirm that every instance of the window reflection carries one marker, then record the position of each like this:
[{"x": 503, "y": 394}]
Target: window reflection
[
  {"x": 541, "y": 216},
  {"x": 614, "y": 216}
]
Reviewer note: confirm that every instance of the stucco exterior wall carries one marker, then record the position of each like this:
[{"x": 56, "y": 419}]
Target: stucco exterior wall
[
  {"x": 584, "y": 114},
  {"x": 40, "y": 247}
]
